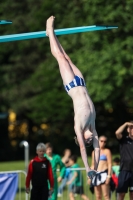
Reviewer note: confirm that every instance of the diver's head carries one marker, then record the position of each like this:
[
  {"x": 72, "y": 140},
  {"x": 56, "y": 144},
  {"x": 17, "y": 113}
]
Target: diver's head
[
  {"x": 88, "y": 141},
  {"x": 88, "y": 138}
]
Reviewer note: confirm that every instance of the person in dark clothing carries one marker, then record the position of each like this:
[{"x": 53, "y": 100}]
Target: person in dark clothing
[
  {"x": 39, "y": 173},
  {"x": 125, "y": 179}
]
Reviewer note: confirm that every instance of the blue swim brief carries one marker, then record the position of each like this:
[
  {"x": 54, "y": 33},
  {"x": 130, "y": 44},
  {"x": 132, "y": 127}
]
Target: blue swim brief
[{"x": 77, "y": 81}]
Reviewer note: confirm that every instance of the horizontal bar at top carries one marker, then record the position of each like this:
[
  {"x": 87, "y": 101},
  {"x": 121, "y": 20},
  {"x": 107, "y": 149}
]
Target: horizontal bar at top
[
  {"x": 15, "y": 171},
  {"x": 41, "y": 34}
]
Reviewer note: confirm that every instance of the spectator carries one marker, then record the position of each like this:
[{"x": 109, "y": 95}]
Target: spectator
[
  {"x": 125, "y": 179},
  {"x": 65, "y": 160},
  {"x": 39, "y": 172},
  {"x": 66, "y": 156},
  {"x": 116, "y": 169},
  {"x": 101, "y": 181},
  {"x": 76, "y": 180},
  {"x": 115, "y": 173},
  {"x": 55, "y": 162}
]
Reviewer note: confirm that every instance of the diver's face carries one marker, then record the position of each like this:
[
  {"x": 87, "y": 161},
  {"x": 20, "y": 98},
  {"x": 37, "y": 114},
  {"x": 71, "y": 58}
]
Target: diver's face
[
  {"x": 88, "y": 142},
  {"x": 88, "y": 138}
]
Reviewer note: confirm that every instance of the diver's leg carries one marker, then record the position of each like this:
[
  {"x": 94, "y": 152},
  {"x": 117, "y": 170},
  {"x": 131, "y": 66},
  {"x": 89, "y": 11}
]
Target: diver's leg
[
  {"x": 74, "y": 68},
  {"x": 66, "y": 71},
  {"x": 76, "y": 71}
]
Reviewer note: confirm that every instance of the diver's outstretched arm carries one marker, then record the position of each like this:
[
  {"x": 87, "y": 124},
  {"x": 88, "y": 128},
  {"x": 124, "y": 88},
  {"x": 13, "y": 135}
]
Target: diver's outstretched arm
[
  {"x": 83, "y": 152},
  {"x": 96, "y": 149}
]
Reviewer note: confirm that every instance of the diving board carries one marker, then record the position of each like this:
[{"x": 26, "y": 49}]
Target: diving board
[{"x": 64, "y": 31}]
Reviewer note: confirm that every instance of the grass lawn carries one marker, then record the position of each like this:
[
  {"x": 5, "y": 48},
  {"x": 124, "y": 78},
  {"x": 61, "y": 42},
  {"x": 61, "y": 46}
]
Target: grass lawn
[{"x": 20, "y": 165}]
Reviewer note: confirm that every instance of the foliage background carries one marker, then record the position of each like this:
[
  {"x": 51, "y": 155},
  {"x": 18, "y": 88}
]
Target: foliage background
[{"x": 30, "y": 82}]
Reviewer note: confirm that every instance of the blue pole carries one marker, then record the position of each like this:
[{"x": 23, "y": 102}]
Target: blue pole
[{"x": 5, "y": 22}]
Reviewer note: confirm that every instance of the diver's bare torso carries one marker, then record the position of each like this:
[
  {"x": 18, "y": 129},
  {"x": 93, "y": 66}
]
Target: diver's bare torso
[{"x": 83, "y": 108}]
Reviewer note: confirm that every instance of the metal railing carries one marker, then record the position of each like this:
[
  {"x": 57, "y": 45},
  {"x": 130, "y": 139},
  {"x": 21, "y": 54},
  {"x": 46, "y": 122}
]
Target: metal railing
[{"x": 84, "y": 182}]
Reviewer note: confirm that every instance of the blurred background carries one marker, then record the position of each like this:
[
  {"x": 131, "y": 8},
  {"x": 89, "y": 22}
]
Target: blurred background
[{"x": 33, "y": 103}]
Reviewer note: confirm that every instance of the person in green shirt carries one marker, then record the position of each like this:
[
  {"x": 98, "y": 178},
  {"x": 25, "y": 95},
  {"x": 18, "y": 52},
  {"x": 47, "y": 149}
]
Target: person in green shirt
[
  {"x": 76, "y": 180},
  {"x": 55, "y": 161}
]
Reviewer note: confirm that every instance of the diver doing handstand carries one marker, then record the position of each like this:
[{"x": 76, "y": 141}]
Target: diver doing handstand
[{"x": 84, "y": 111}]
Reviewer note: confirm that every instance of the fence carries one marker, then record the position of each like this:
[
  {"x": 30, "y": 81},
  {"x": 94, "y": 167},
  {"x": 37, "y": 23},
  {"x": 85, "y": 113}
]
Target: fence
[
  {"x": 21, "y": 194},
  {"x": 87, "y": 191}
]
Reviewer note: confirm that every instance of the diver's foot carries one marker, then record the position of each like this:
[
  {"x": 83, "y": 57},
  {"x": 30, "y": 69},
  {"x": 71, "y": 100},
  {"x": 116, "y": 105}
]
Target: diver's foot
[
  {"x": 50, "y": 25},
  {"x": 91, "y": 174}
]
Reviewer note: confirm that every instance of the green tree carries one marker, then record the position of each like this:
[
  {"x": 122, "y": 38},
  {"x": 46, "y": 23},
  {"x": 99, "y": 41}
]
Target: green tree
[{"x": 30, "y": 81}]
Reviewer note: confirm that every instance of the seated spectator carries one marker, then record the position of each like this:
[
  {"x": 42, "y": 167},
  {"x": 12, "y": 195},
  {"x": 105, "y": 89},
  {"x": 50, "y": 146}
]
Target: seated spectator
[{"x": 76, "y": 180}]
